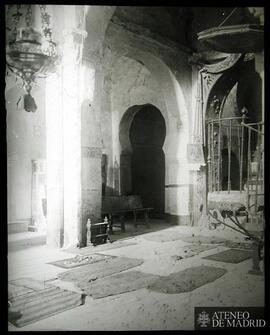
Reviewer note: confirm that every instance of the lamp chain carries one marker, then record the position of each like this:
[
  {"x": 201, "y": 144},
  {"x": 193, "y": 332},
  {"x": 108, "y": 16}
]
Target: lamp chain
[
  {"x": 28, "y": 16},
  {"x": 45, "y": 17},
  {"x": 16, "y": 19},
  {"x": 47, "y": 31}
]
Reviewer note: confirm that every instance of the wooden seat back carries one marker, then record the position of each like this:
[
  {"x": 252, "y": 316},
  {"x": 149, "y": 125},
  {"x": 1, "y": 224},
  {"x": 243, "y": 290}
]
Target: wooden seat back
[{"x": 120, "y": 203}]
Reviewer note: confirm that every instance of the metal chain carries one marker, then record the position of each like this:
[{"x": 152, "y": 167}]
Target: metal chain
[
  {"x": 45, "y": 18},
  {"x": 16, "y": 19},
  {"x": 47, "y": 30},
  {"x": 28, "y": 16}
]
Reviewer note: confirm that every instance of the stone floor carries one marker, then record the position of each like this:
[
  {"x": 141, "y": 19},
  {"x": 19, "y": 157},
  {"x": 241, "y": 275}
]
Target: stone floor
[{"x": 142, "y": 309}]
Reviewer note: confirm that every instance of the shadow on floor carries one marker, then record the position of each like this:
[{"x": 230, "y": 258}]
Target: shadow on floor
[
  {"x": 25, "y": 240},
  {"x": 155, "y": 225}
]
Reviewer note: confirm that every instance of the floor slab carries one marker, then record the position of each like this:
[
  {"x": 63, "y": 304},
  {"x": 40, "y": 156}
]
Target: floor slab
[{"x": 144, "y": 309}]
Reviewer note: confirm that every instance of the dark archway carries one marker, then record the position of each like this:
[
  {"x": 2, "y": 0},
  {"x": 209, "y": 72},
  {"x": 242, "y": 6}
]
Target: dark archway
[
  {"x": 147, "y": 135},
  {"x": 142, "y": 161}
]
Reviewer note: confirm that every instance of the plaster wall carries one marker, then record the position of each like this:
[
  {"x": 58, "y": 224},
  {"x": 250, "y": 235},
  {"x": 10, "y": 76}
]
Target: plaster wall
[
  {"x": 26, "y": 141},
  {"x": 132, "y": 84}
]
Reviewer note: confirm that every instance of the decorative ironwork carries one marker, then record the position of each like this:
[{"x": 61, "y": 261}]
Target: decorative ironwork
[
  {"x": 215, "y": 105},
  {"x": 224, "y": 208},
  {"x": 208, "y": 78},
  {"x": 224, "y": 136},
  {"x": 235, "y": 158},
  {"x": 29, "y": 52}
]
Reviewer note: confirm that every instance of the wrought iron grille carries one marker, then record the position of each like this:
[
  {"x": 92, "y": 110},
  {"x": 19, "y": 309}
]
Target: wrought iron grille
[{"x": 236, "y": 157}]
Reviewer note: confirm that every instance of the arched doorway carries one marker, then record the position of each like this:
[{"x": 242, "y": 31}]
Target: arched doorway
[{"x": 143, "y": 165}]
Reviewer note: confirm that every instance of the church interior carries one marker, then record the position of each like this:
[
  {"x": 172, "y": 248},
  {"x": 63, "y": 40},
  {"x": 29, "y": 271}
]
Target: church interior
[{"x": 137, "y": 132}]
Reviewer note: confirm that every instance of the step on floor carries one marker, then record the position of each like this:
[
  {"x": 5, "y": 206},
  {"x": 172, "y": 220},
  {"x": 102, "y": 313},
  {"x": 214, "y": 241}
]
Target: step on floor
[{"x": 37, "y": 305}]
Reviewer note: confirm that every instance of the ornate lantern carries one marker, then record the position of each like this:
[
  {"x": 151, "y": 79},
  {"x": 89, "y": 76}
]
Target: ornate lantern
[{"x": 29, "y": 53}]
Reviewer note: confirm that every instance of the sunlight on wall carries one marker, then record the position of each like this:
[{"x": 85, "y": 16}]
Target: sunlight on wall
[
  {"x": 54, "y": 126},
  {"x": 87, "y": 82},
  {"x": 72, "y": 152}
]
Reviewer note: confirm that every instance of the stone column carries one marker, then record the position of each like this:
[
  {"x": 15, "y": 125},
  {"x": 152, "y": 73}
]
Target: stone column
[
  {"x": 177, "y": 192},
  {"x": 73, "y": 40},
  {"x": 91, "y": 142},
  {"x": 106, "y": 119},
  {"x": 91, "y": 188},
  {"x": 54, "y": 147},
  {"x": 91, "y": 170},
  {"x": 63, "y": 107}
]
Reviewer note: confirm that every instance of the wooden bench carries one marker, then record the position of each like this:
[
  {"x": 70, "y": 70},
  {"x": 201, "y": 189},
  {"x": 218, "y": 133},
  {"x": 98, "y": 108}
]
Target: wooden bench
[
  {"x": 115, "y": 207},
  {"x": 97, "y": 232}
]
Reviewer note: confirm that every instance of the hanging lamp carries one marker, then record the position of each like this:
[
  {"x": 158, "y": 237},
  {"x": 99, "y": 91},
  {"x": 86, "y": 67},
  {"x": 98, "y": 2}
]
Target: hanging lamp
[{"x": 29, "y": 53}]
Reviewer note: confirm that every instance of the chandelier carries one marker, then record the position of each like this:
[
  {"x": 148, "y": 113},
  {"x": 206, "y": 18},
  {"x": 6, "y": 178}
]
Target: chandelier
[{"x": 29, "y": 53}]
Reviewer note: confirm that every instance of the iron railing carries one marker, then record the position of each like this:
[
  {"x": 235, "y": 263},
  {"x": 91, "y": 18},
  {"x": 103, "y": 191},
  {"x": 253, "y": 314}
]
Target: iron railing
[
  {"x": 236, "y": 157},
  {"x": 255, "y": 171}
]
